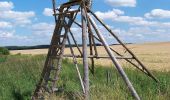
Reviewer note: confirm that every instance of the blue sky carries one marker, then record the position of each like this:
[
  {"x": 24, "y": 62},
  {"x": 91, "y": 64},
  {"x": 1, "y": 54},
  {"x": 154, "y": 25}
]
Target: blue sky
[{"x": 29, "y": 22}]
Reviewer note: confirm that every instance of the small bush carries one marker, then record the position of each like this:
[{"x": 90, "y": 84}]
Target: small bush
[
  {"x": 18, "y": 54},
  {"x": 4, "y": 51}
]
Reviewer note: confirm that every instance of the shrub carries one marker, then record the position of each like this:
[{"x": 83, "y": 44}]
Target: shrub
[{"x": 4, "y": 51}]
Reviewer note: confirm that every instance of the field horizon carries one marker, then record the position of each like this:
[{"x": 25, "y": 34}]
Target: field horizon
[
  {"x": 85, "y": 50},
  {"x": 145, "y": 52},
  {"x": 21, "y": 71}
]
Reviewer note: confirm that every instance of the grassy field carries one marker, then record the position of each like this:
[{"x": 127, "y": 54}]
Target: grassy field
[
  {"x": 156, "y": 56},
  {"x": 20, "y": 73}
]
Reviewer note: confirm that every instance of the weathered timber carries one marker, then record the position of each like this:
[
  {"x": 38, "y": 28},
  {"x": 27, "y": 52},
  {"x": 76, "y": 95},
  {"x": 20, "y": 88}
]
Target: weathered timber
[
  {"x": 85, "y": 58},
  {"x": 114, "y": 35},
  {"x": 114, "y": 60},
  {"x": 90, "y": 33}
]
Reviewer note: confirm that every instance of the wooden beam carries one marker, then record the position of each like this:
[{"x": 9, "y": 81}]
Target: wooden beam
[
  {"x": 114, "y": 60},
  {"x": 75, "y": 42},
  {"x": 85, "y": 57},
  {"x": 114, "y": 35}
]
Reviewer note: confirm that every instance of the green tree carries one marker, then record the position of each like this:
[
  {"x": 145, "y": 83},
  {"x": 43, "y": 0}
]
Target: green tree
[{"x": 4, "y": 51}]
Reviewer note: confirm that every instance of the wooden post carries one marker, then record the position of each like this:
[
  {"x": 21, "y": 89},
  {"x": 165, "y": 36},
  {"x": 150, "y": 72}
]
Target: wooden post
[
  {"x": 91, "y": 53},
  {"x": 115, "y": 61},
  {"x": 130, "y": 52},
  {"x": 91, "y": 47},
  {"x": 85, "y": 55},
  {"x": 54, "y": 10}
]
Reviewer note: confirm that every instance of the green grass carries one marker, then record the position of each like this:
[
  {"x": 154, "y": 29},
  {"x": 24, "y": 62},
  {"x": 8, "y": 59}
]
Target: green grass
[
  {"x": 20, "y": 73},
  {"x": 3, "y": 58}
]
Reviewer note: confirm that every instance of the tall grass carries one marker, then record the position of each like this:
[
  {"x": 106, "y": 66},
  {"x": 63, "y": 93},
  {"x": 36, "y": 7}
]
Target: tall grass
[{"x": 20, "y": 73}]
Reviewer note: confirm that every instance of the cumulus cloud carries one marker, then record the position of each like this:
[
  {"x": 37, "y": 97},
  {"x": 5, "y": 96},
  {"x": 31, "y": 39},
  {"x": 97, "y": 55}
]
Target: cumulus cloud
[
  {"x": 140, "y": 21},
  {"x": 109, "y": 14},
  {"x": 124, "y": 3},
  {"x": 118, "y": 16},
  {"x": 20, "y": 17},
  {"x": 142, "y": 34},
  {"x": 7, "y": 13},
  {"x": 48, "y": 12},
  {"x": 135, "y": 21},
  {"x": 11, "y": 35},
  {"x": 140, "y": 28},
  {"x": 6, "y": 5},
  {"x": 43, "y": 29},
  {"x": 5, "y": 24},
  {"x": 9, "y": 38},
  {"x": 158, "y": 13},
  {"x": 128, "y": 19},
  {"x": 6, "y": 34},
  {"x": 150, "y": 34},
  {"x": 11, "y": 19}
]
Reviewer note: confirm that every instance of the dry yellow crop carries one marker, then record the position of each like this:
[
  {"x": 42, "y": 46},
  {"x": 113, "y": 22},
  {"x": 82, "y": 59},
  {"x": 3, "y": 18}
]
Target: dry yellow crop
[{"x": 156, "y": 56}]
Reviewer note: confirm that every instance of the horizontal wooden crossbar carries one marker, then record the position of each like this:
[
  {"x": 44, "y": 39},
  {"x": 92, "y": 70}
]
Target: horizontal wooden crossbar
[{"x": 92, "y": 56}]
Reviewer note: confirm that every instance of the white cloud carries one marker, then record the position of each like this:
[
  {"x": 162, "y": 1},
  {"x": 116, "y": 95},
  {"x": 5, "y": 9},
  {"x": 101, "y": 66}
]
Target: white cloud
[
  {"x": 5, "y": 24},
  {"x": 139, "y": 21},
  {"x": 42, "y": 33},
  {"x": 124, "y": 3},
  {"x": 117, "y": 15},
  {"x": 5, "y": 34},
  {"x": 6, "y": 5},
  {"x": 158, "y": 13},
  {"x": 18, "y": 17},
  {"x": 11, "y": 38},
  {"x": 43, "y": 29},
  {"x": 12, "y": 35},
  {"x": 135, "y": 21},
  {"x": 143, "y": 34},
  {"x": 150, "y": 34},
  {"x": 141, "y": 29},
  {"x": 128, "y": 19},
  {"x": 48, "y": 12},
  {"x": 109, "y": 14}
]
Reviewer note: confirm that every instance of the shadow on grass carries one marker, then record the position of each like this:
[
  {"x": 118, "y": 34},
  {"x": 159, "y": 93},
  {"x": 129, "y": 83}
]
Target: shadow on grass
[{"x": 18, "y": 95}]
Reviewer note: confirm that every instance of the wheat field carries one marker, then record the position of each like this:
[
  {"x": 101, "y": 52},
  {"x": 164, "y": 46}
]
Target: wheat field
[
  {"x": 22, "y": 72},
  {"x": 156, "y": 56}
]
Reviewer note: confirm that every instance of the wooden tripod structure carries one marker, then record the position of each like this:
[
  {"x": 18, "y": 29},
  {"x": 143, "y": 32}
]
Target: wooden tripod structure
[{"x": 65, "y": 17}]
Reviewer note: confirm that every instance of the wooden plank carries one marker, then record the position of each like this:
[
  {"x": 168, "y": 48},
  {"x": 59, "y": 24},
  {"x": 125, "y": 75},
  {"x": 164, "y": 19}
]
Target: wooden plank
[
  {"x": 85, "y": 58},
  {"x": 68, "y": 12}
]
